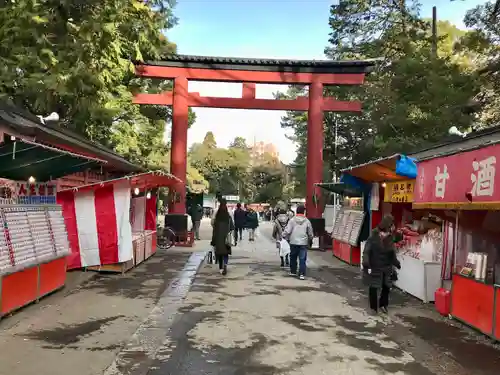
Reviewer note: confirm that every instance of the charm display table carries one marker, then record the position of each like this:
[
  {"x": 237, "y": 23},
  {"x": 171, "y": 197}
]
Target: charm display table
[{"x": 33, "y": 250}]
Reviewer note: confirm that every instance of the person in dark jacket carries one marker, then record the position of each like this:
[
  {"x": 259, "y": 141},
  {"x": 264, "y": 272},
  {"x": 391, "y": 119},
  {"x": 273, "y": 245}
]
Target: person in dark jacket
[
  {"x": 196, "y": 213},
  {"x": 223, "y": 225},
  {"x": 239, "y": 223},
  {"x": 252, "y": 222},
  {"x": 278, "y": 229},
  {"x": 379, "y": 258}
]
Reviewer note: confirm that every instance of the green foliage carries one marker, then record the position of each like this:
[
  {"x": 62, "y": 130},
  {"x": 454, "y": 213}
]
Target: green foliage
[
  {"x": 409, "y": 101},
  {"x": 232, "y": 171},
  {"x": 75, "y": 57}
]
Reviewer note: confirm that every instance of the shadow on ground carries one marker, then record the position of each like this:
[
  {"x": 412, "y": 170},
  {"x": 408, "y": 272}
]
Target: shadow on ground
[{"x": 476, "y": 353}]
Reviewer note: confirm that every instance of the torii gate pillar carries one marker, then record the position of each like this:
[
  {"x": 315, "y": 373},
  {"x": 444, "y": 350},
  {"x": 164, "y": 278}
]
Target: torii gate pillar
[
  {"x": 314, "y": 171},
  {"x": 178, "y": 148}
]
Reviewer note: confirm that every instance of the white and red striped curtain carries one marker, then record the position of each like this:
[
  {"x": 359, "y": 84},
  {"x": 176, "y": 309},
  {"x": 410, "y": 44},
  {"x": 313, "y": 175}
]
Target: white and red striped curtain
[{"x": 98, "y": 225}]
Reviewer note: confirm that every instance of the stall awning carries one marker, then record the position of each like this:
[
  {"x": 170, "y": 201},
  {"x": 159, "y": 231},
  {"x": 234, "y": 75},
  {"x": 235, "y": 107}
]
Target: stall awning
[
  {"x": 142, "y": 181},
  {"x": 340, "y": 188},
  {"x": 380, "y": 170},
  {"x": 22, "y": 159},
  {"x": 15, "y": 121}
]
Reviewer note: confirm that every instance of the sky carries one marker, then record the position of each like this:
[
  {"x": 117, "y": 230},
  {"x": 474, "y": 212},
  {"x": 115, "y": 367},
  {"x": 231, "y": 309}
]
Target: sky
[{"x": 289, "y": 29}]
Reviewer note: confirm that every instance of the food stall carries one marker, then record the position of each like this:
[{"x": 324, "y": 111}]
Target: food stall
[
  {"x": 462, "y": 186},
  {"x": 112, "y": 224},
  {"x": 367, "y": 184},
  {"x": 420, "y": 245}
]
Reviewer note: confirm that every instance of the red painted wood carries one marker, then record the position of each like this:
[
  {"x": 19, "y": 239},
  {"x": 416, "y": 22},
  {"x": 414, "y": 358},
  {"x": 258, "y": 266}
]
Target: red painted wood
[
  {"x": 314, "y": 149},
  {"x": 299, "y": 104},
  {"x": 497, "y": 314},
  {"x": 248, "y": 90},
  {"x": 472, "y": 302},
  {"x": 345, "y": 252},
  {"x": 153, "y": 242},
  {"x": 355, "y": 255},
  {"x": 52, "y": 276},
  {"x": 178, "y": 158},
  {"x": 197, "y": 74},
  {"x": 19, "y": 289},
  {"x": 336, "y": 248}
]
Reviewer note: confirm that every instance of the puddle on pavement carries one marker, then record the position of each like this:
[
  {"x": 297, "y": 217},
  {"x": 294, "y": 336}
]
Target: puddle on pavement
[
  {"x": 184, "y": 357},
  {"x": 467, "y": 350},
  {"x": 70, "y": 334},
  {"x": 147, "y": 281}
]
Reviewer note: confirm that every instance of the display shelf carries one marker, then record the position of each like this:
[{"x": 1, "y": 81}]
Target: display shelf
[
  {"x": 5, "y": 262},
  {"x": 31, "y": 235},
  {"x": 348, "y": 226},
  {"x": 58, "y": 229}
]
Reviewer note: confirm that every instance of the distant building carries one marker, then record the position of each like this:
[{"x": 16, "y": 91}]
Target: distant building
[{"x": 258, "y": 150}]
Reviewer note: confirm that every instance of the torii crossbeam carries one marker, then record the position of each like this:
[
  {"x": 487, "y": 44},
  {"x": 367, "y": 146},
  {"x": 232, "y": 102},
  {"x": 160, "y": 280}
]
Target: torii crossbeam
[{"x": 316, "y": 74}]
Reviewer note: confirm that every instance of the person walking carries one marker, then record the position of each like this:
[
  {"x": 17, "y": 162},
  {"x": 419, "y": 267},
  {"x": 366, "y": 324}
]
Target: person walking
[
  {"x": 196, "y": 213},
  {"x": 278, "y": 229},
  {"x": 221, "y": 236},
  {"x": 252, "y": 223},
  {"x": 239, "y": 223},
  {"x": 299, "y": 233},
  {"x": 379, "y": 260}
]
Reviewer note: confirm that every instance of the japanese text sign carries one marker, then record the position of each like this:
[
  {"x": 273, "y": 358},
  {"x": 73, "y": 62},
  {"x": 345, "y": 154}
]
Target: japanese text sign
[
  {"x": 401, "y": 191},
  {"x": 353, "y": 203},
  {"x": 460, "y": 180},
  {"x": 39, "y": 193}
]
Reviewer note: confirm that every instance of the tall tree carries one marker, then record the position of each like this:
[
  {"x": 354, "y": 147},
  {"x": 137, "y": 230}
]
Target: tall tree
[
  {"x": 239, "y": 142},
  {"x": 209, "y": 141},
  {"x": 410, "y": 100},
  {"x": 75, "y": 58}
]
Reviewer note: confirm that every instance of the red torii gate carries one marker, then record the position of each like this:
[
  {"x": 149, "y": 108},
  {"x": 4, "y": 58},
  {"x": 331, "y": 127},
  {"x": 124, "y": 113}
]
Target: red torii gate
[{"x": 316, "y": 74}]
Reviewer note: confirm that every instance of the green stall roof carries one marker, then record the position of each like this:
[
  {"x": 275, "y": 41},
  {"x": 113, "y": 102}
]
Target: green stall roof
[{"x": 21, "y": 159}]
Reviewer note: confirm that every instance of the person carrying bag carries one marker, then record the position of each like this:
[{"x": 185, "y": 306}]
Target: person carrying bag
[{"x": 222, "y": 236}]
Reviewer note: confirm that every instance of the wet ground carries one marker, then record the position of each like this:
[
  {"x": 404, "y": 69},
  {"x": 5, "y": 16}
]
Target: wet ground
[
  {"x": 170, "y": 317},
  {"x": 79, "y": 331},
  {"x": 258, "y": 320}
]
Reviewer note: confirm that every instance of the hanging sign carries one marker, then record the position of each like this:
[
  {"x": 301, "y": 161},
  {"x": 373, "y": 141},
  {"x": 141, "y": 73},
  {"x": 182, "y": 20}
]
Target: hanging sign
[
  {"x": 466, "y": 180},
  {"x": 38, "y": 193},
  {"x": 399, "y": 192},
  {"x": 353, "y": 203}
]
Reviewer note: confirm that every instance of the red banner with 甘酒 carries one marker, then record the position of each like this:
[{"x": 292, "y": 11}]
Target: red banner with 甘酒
[{"x": 463, "y": 180}]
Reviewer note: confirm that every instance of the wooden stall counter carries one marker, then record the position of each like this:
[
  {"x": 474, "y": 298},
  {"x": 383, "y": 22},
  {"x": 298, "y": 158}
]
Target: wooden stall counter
[
  {"x": 347, "y": 253},
  {"x": 33, "y": 250},
  {"x": 473, "y": 303},
  {"x": 21, "y": 288},
  {"x": 144, "y": 247}
]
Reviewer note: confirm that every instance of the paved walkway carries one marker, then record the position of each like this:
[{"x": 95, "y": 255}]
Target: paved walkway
[
  {"x": 80, "y": 329},
  {"x": 168, "y": 317},
  {"x": 258, "y": 320}
]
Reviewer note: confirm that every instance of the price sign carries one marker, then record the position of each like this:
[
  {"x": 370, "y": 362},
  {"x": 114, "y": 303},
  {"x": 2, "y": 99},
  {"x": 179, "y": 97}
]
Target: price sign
[
  {"x": 399, "y": 192},
  {"x": 38, "y": 193}
]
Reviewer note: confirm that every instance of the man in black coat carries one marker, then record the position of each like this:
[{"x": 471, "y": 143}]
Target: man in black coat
[
  {"x": 240, "y": 216},
  {"x": 379, "y": 258},
  {"x": 196, "y": 213}
]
